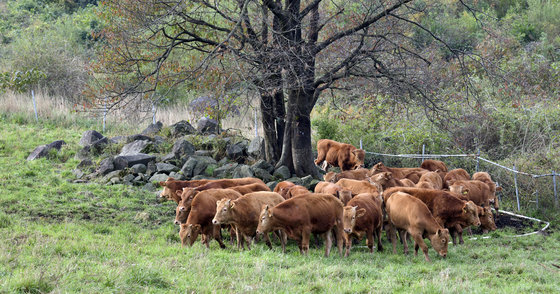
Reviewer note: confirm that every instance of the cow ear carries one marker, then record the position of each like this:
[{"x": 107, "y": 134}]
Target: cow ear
[
  {"x": 179, "y": 193},
  {"x": 498, "y": 189},
  {"x": 161, "y": 183},
  {"x": 231, "y": 204},
  {"x": 360, "y": 212},
  {"x": 439, "y": 232},
  {"x": 196, "y": 227},
  {"x": 465, "y": 208},
  {"x": 465, "y": 191}
]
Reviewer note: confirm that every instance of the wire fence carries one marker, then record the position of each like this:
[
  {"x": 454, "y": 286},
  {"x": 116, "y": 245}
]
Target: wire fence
[{"x": 519, "y": 188}]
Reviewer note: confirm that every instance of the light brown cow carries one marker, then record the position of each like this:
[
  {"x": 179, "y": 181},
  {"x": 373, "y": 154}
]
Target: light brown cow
[
  {"x": 171, "y": 186},
  {"x": 430, "y": 180},
  {"x": 199, "y": 221},
  {"x": 485, "y": 178},
  {"x": 301, "y": 216},
  {"x": 361, "y": 216},
  {"x": 411, "y": 216},
  {"x": 329, "y": 176},
  {"x": 243, "y": 213},
  {"x": 296, "y": 190},
  {"x": 337, "y": 191},
  {"x": 449, "y": 211},
  {"x": 434, "y": 165},
  {"x": 358, "y": 187},
  {"x": 246, "y": 189},
  {"x": 356, "y": 174},
  {"x": 283, "y": 187},
  {"x": 343, "y": 155},
  {"x": 476, "y": 191},
  {"x": 411, "y": 173},
  {"x": 454, "y": 175},
  {"x": 228, "y": 183}
]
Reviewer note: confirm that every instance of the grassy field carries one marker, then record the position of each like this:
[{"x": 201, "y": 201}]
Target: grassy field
[{"x": 56, "y": 236}]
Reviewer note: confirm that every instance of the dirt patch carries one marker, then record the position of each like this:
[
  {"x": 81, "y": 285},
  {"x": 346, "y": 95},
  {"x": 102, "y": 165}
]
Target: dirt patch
[{"x": 517, "y": 224}]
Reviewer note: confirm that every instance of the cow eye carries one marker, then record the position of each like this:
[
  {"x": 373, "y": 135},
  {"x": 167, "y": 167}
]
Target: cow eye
[{"x": 225, "y": 209}]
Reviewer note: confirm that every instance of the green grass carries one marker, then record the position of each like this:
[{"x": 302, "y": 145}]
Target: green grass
[{"x": 57, "y": 236}]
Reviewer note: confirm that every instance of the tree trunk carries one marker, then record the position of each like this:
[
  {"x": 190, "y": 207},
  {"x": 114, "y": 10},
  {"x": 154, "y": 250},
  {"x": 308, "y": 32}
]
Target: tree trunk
[{"x": 273, "y": 112}]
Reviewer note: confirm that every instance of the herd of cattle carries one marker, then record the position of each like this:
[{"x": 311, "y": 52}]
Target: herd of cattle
[{"x": 419, "y": 202}]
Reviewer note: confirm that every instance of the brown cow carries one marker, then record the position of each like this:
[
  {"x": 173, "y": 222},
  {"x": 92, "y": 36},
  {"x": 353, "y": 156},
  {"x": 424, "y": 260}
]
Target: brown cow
[
  {"x": 430, "y": 180},
  {"x": 296, "y": 190},
  {"x": 485, "y": 178},
  {"x": 448, "y": 210},
  {"x": 301, "y": 216},
  {"x": 411, "y": 173},
  {"x": 434, "y": 165},
  {"x": 244, "y": 213},
  {"x": 361, "y": 216},
  {"x": 330, "y": 188},
  {"x": 356, "y": 174},
  {"x": 411, "y": 216},
  {"x": 283, "y": 187},
  {"x": 203, "y": 209},
  {"x": 343, "y": 155},
  {"x": 171, "y": 186},
  {"x": 329, "y": 176},
  {"x": 477, "y": 191},
  {"x": 358, "y": 187},
  {"x": 250, "y": 188},
  {"x": 454, "y": 175},
  {"x": 228, "y": 183}
]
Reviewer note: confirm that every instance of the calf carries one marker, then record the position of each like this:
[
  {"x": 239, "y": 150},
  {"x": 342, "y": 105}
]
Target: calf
[
  {"x": 301, "y": 216},
  {"x": 485, "y": 178},
  {"x": 329, "y": 176},
  {"x": 172, "y": 186},
  {"x": 363, "y": 215},
  {"x": 411, "y": 173},
  {"x": 228, "y": 183},
  {"x": 411, "y": 216},
  {"x": 357, "y": 174},
  {"x": 477, "y": 191},
  {"x": 199, "y": 221},
  {"x": 330, "y": 188},
  {"x": 250, "y": 188},
  {"x": 343, "y": 155},
  {"x": 358, "y": 187},
  {"x": 448, "y": 210},
  {"x": 283, "y": 187},
  {"x": 244, "y": 213},
  {"x": 434, "y": 165},
  {"x": 296, "y": 190},
  {"x": 430, "y": 180},
  {"x": 454, "y": 175}
]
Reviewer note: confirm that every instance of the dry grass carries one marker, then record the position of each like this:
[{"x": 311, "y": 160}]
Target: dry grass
[{"x": 133, "y": 118}]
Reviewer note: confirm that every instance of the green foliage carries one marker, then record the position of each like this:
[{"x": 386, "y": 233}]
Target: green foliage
[
  {"x": 326, "y": 127},
  {"x": 20, "y": 81}
]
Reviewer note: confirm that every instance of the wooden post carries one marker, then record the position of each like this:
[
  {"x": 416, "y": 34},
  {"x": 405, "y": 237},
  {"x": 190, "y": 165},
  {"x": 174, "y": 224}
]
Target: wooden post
[
  {"x": 516, "y": 188},
  {"x": 555, "y": 192}
]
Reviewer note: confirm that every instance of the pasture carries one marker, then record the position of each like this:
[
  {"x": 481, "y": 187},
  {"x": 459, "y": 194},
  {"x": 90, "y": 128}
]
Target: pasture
[{"x": 57, "y": 236}]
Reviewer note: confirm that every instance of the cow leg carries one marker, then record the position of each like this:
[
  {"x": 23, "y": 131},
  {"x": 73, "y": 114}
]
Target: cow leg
[
  {"x": 393, "y": 237},
  {"x": 217, "y": 232},
  {"x": 459, "y": 230},
  {"x": 420, "y": 242},
  {"x": 339, "y": 235},
  {"x": 377, "y": 233},
  {"x": 305, "y": 236},
  {"x": 403, "y": 236},
  {"x": 369, "y": 240},
  {"x": 248, "y": 240},
  {"x": 283, "y": 240},
  {"x": 328, "y": 243},
  {"x": 267, "y": 241},
  {"x": 348, "y": 243},
  {"x": 239, "y": 239}
]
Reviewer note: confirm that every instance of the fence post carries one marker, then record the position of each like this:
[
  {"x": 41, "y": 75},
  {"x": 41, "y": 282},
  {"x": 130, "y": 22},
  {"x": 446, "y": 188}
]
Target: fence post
[
  {"x": 34, "y": 105},
  {"x": 499, "y": 194},
  {"x": 516, "y": 188},
  {"x": 361, "y": 144},
  {"x": 423, "y": 151},
  {"x": 555, "y": 193},
  {"x": 477, "y": 160}
]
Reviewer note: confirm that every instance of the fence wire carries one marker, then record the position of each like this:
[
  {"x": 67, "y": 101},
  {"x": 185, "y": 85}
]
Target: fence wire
[{"x": 519, "y": 188}]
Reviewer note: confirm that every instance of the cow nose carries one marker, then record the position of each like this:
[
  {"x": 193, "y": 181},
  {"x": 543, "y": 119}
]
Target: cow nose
[
  {"x": 182, "y": 208},
  {"x": 176, "y": 222},
  {"x": 214, "y": 221},
  {"x": 348, "y": 231},
  {"x": 444, "y": 255},
  {"x": 477, "y": 224}
]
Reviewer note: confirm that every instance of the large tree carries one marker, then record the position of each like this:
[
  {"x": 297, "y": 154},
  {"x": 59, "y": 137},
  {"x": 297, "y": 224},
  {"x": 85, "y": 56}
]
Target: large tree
[{"x": 288, "y": 50}]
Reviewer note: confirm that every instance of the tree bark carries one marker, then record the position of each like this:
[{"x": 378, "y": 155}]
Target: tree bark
[{"x": 273, "y": 112}]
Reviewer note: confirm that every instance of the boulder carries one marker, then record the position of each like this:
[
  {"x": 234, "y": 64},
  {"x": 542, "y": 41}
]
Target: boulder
[
  {"x": 151, "y": 168},
  {"x": 203, "y": 153},
  {"x": 207, "y": 126},
  {"x": 136, "y": 147},
  {"x": 78, "y": 173},
  {"x": 188, "y": 167},
  {"x": 262, "y": 174},
  {"x": 138, "y": 168},
  {"x": 242, "y": 171},
  {"x": 283, "y": 172},
  {"x": 177, "y": 176},
  {"x": 306, "y": 181},
  {"x": 85, "y": 163},
  {"x": 235, "y": 152},
  {"x": 105, "y": 166},
  {"x": 98, "y": 146},
  {"x": 89, "y": 137},
  {"x": 138, "y": 137},
  {"x": 112, "y": 175},
  {"x": 181, "y": 128},
  {"x": 124, "y": 161},
  {"x": 271, "y": 185},
  {"x": 119, "y": 139},
  {"x": 153, "y": 129},
  {"x": 158, "y": 178},
  {"x": 183, "y": 148},
  {"x": 256, "y": 148},
  {"x": 225, "y": 170},
  {"x": 262, "y": 164},
  {"x": 43, "y": 150},
  {"x": 166, "y": 168},
  {"x": 295, "y": 180}
]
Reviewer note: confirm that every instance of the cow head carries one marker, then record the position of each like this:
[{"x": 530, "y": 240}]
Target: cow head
[
  {"x": 359, "y": 156},
  {"x": 189, "y": 233},
  {"x": 223, "y": 211},
  {"x": 486, "y": 218},
  {"x": 180, "y": 215},
  {"x": 382, "y": 178},
  {"x": 458, "y": 189},
  {"x": 349, "y": 216},
  {"x": 470, "y": 213},
  {"x": 265, "y": 223},
  {"x": 344, "y": 195},
  {"x": 440, "y": 241},
  {"x": 330, "y": 177},
  {"x": 377, "y": 168}
]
